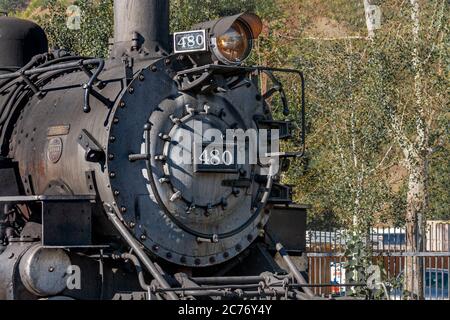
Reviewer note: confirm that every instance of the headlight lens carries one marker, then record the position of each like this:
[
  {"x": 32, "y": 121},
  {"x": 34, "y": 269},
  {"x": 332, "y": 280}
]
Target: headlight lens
[{"x": 236, "y": 43}]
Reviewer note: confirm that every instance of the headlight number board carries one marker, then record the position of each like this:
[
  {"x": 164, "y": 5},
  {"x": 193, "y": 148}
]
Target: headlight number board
[{"x": 189, "y": 41}]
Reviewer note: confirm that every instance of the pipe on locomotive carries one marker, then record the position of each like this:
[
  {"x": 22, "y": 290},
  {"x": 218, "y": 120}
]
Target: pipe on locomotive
[
  {"x": 141, "y": 25},
  {"x": 151, "y": 267}
]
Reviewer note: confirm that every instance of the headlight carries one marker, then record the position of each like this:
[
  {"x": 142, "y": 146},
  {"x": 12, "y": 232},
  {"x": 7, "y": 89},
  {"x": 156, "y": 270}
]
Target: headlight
[
  {"x": 230, "y": 38},
  {"x": 235, "y": 45}
]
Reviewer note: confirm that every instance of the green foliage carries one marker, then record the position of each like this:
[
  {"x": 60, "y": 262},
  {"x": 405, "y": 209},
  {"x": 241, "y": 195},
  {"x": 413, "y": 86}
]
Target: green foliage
[
  {"x": 12, "y": 5},
  {"x": 185, "y": 13},
  {"x": 440, "y": 185},
  {"x": 359, "y": 260},
  {"x": 96, "y": 26}
]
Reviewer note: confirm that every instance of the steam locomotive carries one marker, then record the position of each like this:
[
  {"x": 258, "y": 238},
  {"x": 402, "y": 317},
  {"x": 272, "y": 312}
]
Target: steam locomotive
[{"x": 106, "y": 191}]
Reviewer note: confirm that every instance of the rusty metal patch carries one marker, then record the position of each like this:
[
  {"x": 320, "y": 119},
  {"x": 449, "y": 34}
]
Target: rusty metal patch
[
  {"x": 54, "y": 149},
  {"x": 61, "y": 130}
]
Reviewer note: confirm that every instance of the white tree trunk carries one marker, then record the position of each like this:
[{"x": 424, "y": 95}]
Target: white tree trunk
[
  {"x": 415, "y": 228},
  {"x": 373, "y": 18},
  {"x": 418, "y": 173}
]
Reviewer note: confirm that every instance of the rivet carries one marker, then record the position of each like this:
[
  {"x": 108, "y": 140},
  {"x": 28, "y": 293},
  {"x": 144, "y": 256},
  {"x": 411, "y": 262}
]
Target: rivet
[
  {"x": 122, "y": 104},
  {"x": 51, "y": 269},
  {"x": 130, "y": 89},
  {"x": 155, "y": 247},
  {"x": 164, "y": 180},
  {"x": 189, "y": 109},
  {"x": 238, "y": 247},
  {"x": 226, "y": 254},
  {"x": 160, "y": 157},
  {"x": 190, "y": 208},
  {"x": 197, "y": 261},
  {"x": 143, "y": 237},
  {"x": 116, "y": 192},
  {"x": 174, "y": 119},
  {"x": 212, "y": 260},
  {"x": 167, "y": 61},
  {"x": 249, "y": 237},
  {"x": 164, "y": 137},
  {"x": 141, "y": 77},
  {"x": 169, "y": 255},
  {"x": 111, "y": 156},
  {"x": 112, "y": 138},
  {"x": 116, "y": 120},
  {"x": 123, "y": 209},
  {"x": 154, "y": 68},
  {"x": 112, "y": 174},
  {"x": 132, "y": 224},
  {"x": 183, "y": 260}
]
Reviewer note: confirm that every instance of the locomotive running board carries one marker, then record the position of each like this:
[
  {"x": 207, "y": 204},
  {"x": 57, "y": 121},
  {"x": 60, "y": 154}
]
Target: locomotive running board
[{"x": 42, "y": 198}]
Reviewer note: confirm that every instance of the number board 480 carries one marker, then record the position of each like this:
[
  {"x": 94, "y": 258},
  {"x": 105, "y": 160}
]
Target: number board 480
[{"x": 189, "y": 41}]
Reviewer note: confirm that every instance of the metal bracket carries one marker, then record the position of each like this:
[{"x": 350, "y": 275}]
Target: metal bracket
[
  {"x": 186, "y": 84},
  {"x": 280, "y": 194},
  {"x": 128, "y": 64},
  {"x": 94, "y": 151},
  {"x": 145, "y": 156},
  {"x": 285, "y": 127}
]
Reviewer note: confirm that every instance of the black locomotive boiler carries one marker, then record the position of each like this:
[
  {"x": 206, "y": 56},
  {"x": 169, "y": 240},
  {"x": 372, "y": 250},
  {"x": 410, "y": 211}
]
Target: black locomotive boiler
[{"x": 95, "y": 202}]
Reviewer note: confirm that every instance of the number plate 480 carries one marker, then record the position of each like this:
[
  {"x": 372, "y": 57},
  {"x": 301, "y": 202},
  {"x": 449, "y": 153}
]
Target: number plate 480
[{"x": 189, "y": 41}]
